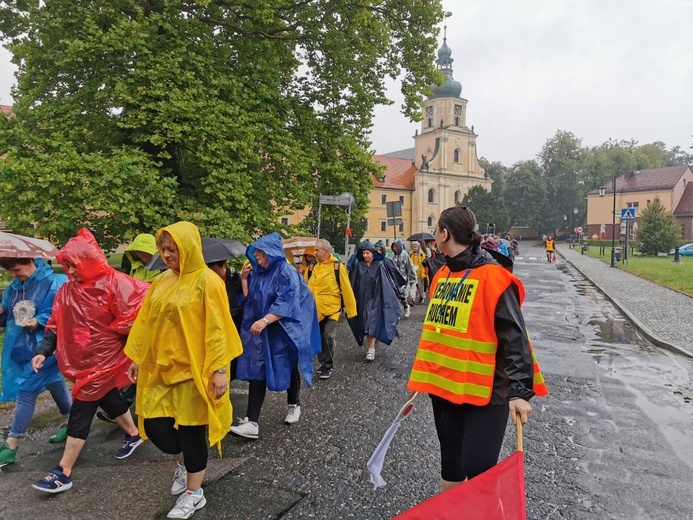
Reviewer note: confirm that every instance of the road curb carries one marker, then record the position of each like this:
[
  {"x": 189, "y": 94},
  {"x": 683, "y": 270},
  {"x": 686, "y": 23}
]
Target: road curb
[{"x": 653, "y": 338}]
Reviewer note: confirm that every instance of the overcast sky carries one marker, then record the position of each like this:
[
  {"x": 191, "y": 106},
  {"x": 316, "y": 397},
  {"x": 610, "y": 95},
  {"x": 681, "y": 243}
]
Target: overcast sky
[{"x": 599, "y": 68}]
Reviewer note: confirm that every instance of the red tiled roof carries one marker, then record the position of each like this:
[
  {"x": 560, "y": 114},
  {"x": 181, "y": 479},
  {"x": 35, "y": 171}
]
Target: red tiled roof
[
  {"x": 5, "y": 109},
  {"x": 399, "y": 173},
  {"x": 685, "y": 205},
  {"x": 647, "y": 180}
]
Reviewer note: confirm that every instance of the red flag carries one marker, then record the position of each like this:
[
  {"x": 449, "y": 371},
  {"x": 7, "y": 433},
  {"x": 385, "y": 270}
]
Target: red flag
[
  {"x": 496, "y": 494},
  {"x": 349, "y": 232}
]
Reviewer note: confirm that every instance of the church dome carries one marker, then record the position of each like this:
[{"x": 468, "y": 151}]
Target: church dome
[
  {"x": 444, "y": 51},
  {"x": 450, "y": 88}
]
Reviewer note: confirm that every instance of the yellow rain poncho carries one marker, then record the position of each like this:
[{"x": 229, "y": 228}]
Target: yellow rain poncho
[{"x": 182, "y": 334}]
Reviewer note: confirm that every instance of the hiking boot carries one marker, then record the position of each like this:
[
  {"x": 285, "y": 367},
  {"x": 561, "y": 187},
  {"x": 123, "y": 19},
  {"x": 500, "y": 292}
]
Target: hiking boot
[
  {"x": 246, "y": 428},
  {"x": 129, "y": 446},
  {"x": 293, "y": 414},
  {"x": 180, "y": 479},
  {"x": 323, "y": 372},
  {"x": 370, "y": 355},
  {"x": 54, "y": 482},
  {"x": 187, "y": 504},
  {"x": 103, "y": 416},
  {"x": 59, "y": 436},
  {"x": 7, "y": 455}
]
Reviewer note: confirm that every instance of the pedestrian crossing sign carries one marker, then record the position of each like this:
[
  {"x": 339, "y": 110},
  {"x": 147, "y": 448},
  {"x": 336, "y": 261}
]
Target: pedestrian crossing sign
[{"x": 628, "y": 214}]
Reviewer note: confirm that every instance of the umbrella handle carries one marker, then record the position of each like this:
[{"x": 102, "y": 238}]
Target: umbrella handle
[{"x": 518, "y": 424}]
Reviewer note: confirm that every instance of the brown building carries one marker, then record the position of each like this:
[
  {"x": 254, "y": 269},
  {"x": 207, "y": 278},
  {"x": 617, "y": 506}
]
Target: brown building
[{"x": 637, "y": 188}]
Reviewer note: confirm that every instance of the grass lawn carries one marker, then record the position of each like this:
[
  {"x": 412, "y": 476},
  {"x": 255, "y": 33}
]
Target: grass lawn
[{"x": 659, "y": 269}]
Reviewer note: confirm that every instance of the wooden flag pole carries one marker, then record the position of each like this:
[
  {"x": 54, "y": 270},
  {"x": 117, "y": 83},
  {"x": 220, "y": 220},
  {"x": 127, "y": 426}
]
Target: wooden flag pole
[{"x": 518, "y": 423}]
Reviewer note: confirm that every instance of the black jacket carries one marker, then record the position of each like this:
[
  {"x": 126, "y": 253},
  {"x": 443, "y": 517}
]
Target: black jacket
[{"x": 514, "y": 372}]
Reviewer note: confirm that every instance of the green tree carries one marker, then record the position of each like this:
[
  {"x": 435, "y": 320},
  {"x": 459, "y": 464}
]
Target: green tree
[
  {"x": 525, "y": 195},
  {"x": 223, "y": 113},
  {"x": 659, "y": 230},
  {"x": 562, "y": 162},
  {"x": 488, "y": 209},
  {"x": 496, "y": 171}
]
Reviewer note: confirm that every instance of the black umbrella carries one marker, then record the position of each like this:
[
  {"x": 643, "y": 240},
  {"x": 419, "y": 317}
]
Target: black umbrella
[
  {"x": 427, "y": 237},
  {"x": 213, "y": 250}
]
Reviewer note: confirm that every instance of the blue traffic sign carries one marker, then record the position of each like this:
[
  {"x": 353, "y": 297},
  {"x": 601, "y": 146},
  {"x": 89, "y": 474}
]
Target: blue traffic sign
[{"x": 628, "y": 214}]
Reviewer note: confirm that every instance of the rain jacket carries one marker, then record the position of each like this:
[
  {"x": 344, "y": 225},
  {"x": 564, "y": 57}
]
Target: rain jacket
[
  {"x": 21, "y": 342},
  {"x": 146, "y": 243},
  {"x": 280, "y": 290},
  {"x": 417, "y": 258},
  {"x": 329, "y": 297},
  {"x": 376, "y": 291},
  {"x": 182, "y": 335},
  {"x": 404, "y": 263},
  {"x": 92, "y": 318}
]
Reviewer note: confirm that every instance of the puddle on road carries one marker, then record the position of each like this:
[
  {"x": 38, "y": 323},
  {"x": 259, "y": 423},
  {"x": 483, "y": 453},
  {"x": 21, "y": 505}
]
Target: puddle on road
[{"x": 617, "y": 346}]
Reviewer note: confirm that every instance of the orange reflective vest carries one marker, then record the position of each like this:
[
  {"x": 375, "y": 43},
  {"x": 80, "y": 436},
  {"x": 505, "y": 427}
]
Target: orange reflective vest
[
  {"x": 456, "y": 358},
  {"x": 549, "y": 245}
]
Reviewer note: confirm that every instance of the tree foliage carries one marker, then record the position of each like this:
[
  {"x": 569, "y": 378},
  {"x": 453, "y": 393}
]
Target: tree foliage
[
  {"x": 130, "y": 114},
  {"x": 487, "y": 208},
  {"x": 525, "y": 195},
  {"x": 659, "y": 230}
]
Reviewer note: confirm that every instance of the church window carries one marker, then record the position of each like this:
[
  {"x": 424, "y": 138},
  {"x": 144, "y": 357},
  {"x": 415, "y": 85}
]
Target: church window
[
  {"x": 430, "y": 122},
  {"x": 456, "y": 156},
  {"x": 457, "y": 121},
  {"x": 431, "y": 195},
  {"x": 383, "y": 225},
  {"x": 430, "y": 221},
  {"x": 458, "y": 197}
]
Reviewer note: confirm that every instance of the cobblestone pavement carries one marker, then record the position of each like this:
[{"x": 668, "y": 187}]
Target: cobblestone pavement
[{"x": 663, "y": 315}]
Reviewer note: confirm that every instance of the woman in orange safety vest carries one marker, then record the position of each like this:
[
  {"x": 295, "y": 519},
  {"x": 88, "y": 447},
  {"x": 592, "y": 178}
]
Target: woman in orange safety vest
[{"x": 474, "y": 358}]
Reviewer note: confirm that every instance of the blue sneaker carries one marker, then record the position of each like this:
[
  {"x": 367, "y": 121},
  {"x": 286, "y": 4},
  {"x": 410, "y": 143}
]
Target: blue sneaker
[
  {"x": 130, "y": 445},
  {"x": 54, "y": 482}
]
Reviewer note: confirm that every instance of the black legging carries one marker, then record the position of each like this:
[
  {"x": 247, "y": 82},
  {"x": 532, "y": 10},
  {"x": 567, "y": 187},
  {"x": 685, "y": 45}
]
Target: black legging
[
  {"x": 470, "y": 437},
  {"x": 258, "y": 389},
  {"x": 190, "y": 440}
]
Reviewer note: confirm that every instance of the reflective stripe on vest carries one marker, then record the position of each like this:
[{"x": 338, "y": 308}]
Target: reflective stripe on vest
[{"x": 455, "y": 361}]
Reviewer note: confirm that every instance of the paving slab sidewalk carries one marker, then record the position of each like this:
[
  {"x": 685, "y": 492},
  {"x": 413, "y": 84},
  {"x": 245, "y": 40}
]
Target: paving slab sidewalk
[{"x": 663, "y": 315}]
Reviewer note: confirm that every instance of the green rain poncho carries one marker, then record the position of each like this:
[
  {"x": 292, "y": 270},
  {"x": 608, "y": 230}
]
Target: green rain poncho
[{"x": 182, "y": 334}]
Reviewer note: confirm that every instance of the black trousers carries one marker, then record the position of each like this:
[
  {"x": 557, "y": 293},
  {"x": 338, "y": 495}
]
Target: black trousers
[
  {"x": 470, "y": 437},
  {"x": 189, "y": 440},
  {"x": 258, "y": 389},
  {"x": 114, "y": 403}
]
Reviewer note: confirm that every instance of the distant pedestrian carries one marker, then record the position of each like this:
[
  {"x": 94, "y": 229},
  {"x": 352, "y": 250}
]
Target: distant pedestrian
[
  {"x": 418, "y": 257},
  {"x": 139, "y": 253},
  {"x": 377, "y": 299},
  {"x": 27, "y": 303},
  {"x": 474, "y": 358},
  {"x": 401, "y": 259},
  {"x": 550, "y": 248},
  {"x": 280, "y": 332},
  {"x": 329, "y": 283}
]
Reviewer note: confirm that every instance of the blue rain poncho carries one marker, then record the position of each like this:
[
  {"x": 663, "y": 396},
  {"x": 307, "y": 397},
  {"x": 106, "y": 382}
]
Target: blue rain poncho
[
  {"x": 280, "y": 290},
  {"x": 376, "y": 288},
  {"x": 21, "y": 342}
]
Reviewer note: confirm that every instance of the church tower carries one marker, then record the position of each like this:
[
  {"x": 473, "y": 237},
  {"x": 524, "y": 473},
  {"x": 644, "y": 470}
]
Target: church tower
[{"x": 444, "y": 150}]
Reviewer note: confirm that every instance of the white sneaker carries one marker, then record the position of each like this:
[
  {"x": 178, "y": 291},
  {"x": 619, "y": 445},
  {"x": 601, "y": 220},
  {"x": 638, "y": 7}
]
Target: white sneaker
[
  {"x": 247, "y": 429},
  {"x": 187, "y": 504},
  {"x": 370, "y": 355},
  {"x": 180, "y": 479},
  {"x": 293, "y": 415}
]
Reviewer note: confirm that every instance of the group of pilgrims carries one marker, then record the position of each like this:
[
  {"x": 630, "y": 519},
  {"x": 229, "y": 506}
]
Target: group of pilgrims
[{"x": 172, "y": 340}]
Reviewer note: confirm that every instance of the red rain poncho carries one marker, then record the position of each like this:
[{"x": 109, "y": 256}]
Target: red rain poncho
[{"x": 92, "y": 318}]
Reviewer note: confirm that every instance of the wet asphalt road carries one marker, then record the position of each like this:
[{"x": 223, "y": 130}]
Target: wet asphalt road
[{"x": 612, "y": 441}]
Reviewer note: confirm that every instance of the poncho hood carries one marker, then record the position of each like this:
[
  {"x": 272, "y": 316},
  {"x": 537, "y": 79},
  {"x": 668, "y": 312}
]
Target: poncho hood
[
  {"x": 143, "y": 242},
  {"x": 366, "y": 245},
  {"x": 84, "y": 253},
  {"x": 187, "y": 238},
  {"x": 272, "y": 246}
]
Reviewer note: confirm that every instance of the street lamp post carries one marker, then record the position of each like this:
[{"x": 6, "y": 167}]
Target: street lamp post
[
  {"x": 575, "y": 221},
  {"x": 602, "y": 192}
]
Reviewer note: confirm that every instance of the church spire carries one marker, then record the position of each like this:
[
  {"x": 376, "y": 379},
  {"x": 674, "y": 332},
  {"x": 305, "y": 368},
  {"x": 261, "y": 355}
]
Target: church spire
[{"x": 450, "y": 88}]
